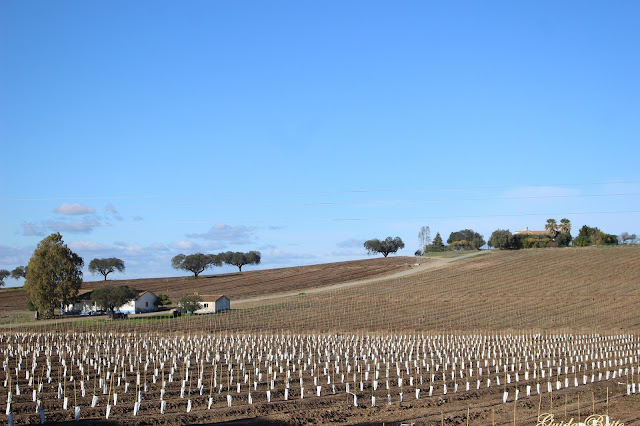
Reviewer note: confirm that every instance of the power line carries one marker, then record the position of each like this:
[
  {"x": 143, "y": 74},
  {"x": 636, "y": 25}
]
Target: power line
[
  {"x": 374, "y": 202},
  {"x": 347, "y": 219},
  {"x": 347, "y": 191}
]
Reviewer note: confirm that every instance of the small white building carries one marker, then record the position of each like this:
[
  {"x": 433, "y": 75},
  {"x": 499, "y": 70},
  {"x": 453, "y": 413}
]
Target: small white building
[
  {"x": 212, "y": 303},
  {"x": 83, "y": 304},
  {"x": 145, "y": 301}
]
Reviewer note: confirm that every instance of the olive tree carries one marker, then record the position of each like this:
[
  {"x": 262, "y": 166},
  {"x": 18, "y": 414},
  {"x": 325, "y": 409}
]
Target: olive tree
[
  {"x": 111, "y": 298},
  {"x": 195, "y": 263},
  {"x": 3, "y": 274},
  {"x": 55, "y": 275},
  {"x": 106, "y": 266},
  {"x": 19, "y": 272},
  {"x": 240, "y": 259},
  {"x": 190, "y": 303},
  {"x": 503, "y": 239},
  {"x": 388, "y": 245}
]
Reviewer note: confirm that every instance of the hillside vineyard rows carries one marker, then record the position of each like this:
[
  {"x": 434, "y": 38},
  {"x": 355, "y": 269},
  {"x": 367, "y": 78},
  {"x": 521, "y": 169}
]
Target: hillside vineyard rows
[
  {"x": 500, "y": 337},
  {"x": 139, "y": 377},
  {"x": 531, "y": 290}
]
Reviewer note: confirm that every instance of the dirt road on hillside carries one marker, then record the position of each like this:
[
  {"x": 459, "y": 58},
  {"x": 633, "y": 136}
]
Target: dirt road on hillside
[{"x": 425, "y": 264}]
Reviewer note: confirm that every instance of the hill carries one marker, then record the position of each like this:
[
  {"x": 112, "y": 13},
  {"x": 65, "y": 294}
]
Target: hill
[
  {"x": 243, "y": 285},
  {"x": 582, "y": 289},
  {"x": 587, "y": 289}
]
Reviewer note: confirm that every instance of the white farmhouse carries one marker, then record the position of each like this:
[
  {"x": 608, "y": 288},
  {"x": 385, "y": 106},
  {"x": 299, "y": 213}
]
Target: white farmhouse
[
  {"x": 144, "y": 302},
  {"x": 83, "y": 304},
  {"x": 212, "y": 303}
]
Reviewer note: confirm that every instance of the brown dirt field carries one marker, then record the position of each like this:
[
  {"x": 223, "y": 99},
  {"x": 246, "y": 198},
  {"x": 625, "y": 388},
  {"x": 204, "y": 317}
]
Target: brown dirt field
[
  {"x": 586, "y": 290},
  {"x": 576, "y": 289},
  {"x": 243, "y": 285}
]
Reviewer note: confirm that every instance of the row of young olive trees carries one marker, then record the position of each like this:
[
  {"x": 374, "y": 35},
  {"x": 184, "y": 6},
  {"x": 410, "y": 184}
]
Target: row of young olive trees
[{"x": 199, "y": 262}]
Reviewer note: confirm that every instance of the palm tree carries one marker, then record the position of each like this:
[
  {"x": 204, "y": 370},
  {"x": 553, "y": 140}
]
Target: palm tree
[
  {"x": 551, "y": 227},
  {"x": 565, "y": 225}
]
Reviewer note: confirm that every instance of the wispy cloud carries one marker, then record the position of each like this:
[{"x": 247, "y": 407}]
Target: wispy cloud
[
  {"x": 30, "y": 230},
  {"x": 227, "y": 233},
  {"x": 350, "y": 243},
  {"x": 84, "y": 226},
  {"x": 74, "y": 209},
  {"x": 110, "y": 208},
  {"x": 194, "y": 247}
]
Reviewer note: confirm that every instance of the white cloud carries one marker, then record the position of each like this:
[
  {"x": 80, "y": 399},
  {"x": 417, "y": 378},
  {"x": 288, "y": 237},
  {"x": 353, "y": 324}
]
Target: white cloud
[
  {"x": 229, "y": 234},
  {"x": 183, "y": 245},
  {"x": 351, "y": 242},
  {"x": 74, "y": 209},
  {"x": 87, "y": 246},
  {"x": 30, "y": 230}
]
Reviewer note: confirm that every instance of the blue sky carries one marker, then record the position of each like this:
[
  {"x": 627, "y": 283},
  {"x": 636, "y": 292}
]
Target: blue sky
[{"x": 146, "y": 129}]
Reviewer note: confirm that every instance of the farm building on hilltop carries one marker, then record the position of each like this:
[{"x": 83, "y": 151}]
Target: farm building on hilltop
[
  {"x": 145, "y": 301},
  {"x": 532, "y": 233},
  {"x": 212, "y": 303}
]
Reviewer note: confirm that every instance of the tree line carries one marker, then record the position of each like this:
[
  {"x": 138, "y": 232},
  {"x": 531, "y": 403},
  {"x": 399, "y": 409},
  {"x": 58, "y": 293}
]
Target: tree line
[{"x": 197, "y": 263}]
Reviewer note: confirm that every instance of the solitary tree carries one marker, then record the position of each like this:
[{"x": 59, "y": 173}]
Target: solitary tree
[
  {"x": 190, "y": 303},
  {"x": 106, "y": 266},
  {"x": 3, "y": 274},
  {"x": 389, "y": 245},
  {"x": 195, "y": 263},
  {"x": 55, "y": 275},
  {"x": 240, "y": 259},
  {"x": 19, "y": 272},
  {"x": 424, "y": 237},
  {"x": 111, "y": 298}
]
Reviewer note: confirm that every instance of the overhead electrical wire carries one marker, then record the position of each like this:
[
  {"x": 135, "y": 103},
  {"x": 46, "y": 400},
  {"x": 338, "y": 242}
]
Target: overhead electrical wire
[
  {"x": 346, "y": 191},
  {"x": 375, "y": 202}
]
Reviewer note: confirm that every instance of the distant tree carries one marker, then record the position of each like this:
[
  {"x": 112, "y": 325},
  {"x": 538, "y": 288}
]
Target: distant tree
[
  {"x": 3, "y": 274},
  {"x": 190, "y": 303},
  {"x": 593, "y": 236},
  {"x": 55, "y": 275},
  {"x": 563, "y": 239},
  {"x": 565, "y": 226},
  {"x": 111, "y": 298},
  {"x": 163, "y": 300},
  {"x": 240, "y": 259},
  {"x": 19, "y": 272},
  {"x": 106, "y": 266},
  {"x": 389, "y": 245},
  {"x": 195, "y": 263},
  {"x": 503, "y": 240},
  {"x": 466, "y": 239},
  {"x": 424, "y": 237},
  {"x": 627, "y": 238},
  {"x": 437, "y": 245},
  {"x": 551, "y": 227}
]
